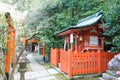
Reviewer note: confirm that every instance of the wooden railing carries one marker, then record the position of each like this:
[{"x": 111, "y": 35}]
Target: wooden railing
[{"x": 74, "y": 63}]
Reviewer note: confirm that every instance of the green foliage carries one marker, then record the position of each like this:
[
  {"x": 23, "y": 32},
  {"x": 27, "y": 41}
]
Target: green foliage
[
  {"x": 111, "y": 15},
  {"x": 3, "y": 34},
  {"x": 3, "y": 39},
  {"x": 4, "y": 50},
  {"x": 56, "y": 15}
]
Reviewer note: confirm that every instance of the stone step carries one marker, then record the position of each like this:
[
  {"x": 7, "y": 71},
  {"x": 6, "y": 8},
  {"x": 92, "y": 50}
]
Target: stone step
[
  {"x": 101, "y": 79},
  {"x": 109, "y": 77},
  {"x": 85, "y": 76},
  {"x": 112, "y": 72}
]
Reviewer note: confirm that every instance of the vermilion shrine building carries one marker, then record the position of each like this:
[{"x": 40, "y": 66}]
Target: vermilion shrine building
[{"x": 83, "y": 51}]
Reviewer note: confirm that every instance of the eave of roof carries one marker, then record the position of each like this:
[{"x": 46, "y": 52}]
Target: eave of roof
[{"x": 86, "y": 22}]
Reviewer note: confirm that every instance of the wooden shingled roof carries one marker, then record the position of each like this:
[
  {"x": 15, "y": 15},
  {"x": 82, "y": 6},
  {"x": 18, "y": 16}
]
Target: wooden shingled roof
[{"x": 86, "y": 22}]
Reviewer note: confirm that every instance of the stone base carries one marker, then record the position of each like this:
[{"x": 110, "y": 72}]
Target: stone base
[
  {"x": 58, "y": 65},
  {"x": 109, "y": 77},
  {"x": 101, "y": 79},
  {"x": 112, "y": 72}
]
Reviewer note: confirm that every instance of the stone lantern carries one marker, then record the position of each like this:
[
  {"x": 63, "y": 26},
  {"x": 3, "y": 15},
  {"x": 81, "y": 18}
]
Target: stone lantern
[{"x": 22, "y": 67}]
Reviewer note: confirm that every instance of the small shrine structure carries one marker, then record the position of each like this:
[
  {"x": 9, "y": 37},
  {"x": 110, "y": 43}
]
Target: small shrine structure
[
  {"x": 83, "y": 51},
  {"x": 33, "y": 46}
]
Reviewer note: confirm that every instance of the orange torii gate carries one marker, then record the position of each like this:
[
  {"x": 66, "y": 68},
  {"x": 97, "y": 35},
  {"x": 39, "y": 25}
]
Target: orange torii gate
[
  {"x": 34, "y": 40},
  {"x": 23, "y": 39},
  {"x": 11, "y": 43}
]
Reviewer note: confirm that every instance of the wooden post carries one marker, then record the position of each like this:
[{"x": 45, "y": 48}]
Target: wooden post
[
  {"x": 56, "y": 57},
  {"x": 68, "y": 40},
  {"x": 13, "y": 46},
  {"x": 76, "y": 42},
  {"x": 51, "y": 52},
  {"x": 99, "y": 62},
  {"x": 103, "y": 43},
  {"x": 44, "y": 52},
  {"x": 10, "y": 44},
  {"x": 69, "y": 63},
  {"x": 11, "y": 49},
  {"x": 7, "y": 59}
]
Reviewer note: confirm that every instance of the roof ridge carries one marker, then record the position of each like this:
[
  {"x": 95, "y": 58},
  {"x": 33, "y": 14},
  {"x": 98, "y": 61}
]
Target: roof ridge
[{"x": 89, "y": 17}]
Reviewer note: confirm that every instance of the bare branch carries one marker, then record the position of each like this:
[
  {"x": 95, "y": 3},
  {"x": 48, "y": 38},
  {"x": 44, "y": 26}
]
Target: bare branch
[{"x": 32, "y": 36}]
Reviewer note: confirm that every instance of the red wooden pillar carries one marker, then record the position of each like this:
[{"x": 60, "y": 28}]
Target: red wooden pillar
[
  {"x": 13, "y": 45},
  {"x": 24, "y": 41},
  {"x": 103, "y": 43},
  {"x": 76, "y": 42},
  {"x": 56, "y": 56},
  {"x": 7, "y": 59},
  {"x": 99, "y": 62},
  {"x": 70, "y": 63},
  {"x": 68, "y": 40},
  {"x": 10, "y": 44}
]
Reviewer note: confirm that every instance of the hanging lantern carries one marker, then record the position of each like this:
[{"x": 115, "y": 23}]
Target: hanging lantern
[
  {"x": 80, "y": 38},
  {"x": 71, "y": 38}
]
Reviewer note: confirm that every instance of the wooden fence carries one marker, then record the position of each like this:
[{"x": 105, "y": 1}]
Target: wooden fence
[
  {"x": 74, "y": 63},
  {"x": 55, "y": 56}
]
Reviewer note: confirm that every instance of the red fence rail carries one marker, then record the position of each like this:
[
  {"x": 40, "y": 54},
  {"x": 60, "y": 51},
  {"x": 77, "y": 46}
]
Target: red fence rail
[{"x": 74, "y": 63}]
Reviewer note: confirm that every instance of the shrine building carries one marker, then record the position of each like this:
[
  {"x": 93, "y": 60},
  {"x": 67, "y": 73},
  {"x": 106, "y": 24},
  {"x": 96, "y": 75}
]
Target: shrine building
[{"x": 83, "y": 51}]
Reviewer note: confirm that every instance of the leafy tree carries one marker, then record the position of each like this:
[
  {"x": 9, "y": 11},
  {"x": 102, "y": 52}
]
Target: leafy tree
[{"x": 111, "y": 15}]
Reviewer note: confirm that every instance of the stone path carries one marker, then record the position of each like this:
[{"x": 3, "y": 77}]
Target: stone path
[{"x": 39, "y": 71}]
